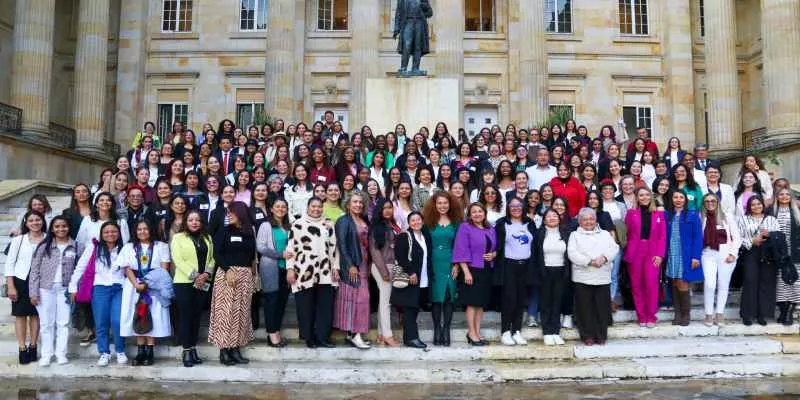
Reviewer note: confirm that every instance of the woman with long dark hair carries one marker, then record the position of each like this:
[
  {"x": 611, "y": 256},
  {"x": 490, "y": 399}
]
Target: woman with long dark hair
[
  {"x": 721, "y": 242},
  {"x": 682, "y": 179},
  {"x": 235, "y": 250},
  {"x": 413, "y": 254},
  {"x": 748, "y": 186},
  {"x": 760, "y": 278},
  {"x": 382, "y": 242},
  {"x": 271, "y": 244},
  {"x": 787, "y": 213},
  {"x": 684, "y": 252}
]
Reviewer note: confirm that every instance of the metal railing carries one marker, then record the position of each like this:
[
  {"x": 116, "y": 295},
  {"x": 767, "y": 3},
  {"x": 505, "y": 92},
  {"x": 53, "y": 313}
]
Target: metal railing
[
  {"x": 63, "y": 136},
  {"x": 111, "y": 149},
  {"x": 755, "y": 139},
  {"x": 10, "y": 118}
]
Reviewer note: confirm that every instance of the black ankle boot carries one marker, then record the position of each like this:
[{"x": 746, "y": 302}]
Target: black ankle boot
[
  {"x": 32, "y": 354},
  {"x": 436, "y": 315},
  {"x": 187, "y": 358},
  {"x": 237, "y": 356},
  {"x": 783, "y": 308},
  {"x": 140, "y": 355},
  {"x": 225, "y": 357},
  {"x": 676, "y": 306},
  {"x": 196, "y": 360},
  {"x": 149, "y": 358},
  {"x": 23, "y": 356},
  {"x": 789, "y": 320}
]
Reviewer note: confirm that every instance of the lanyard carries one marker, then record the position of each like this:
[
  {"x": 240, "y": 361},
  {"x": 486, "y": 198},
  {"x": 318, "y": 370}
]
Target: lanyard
[{"x": 143, "y": 257}]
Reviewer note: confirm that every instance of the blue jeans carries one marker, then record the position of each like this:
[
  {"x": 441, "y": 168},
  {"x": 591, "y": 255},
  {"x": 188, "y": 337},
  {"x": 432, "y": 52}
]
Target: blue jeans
[
  {"x": 106, "y": 304},
  {"x": 615, "y": 275},
  {"x": 533, "y": 302}
]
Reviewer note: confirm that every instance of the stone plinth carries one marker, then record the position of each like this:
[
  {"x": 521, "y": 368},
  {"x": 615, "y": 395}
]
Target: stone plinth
[{"x": 414, "y": 102}]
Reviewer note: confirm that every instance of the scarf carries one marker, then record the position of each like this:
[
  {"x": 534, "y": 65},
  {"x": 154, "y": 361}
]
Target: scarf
[
  {"x": 710, "y": 236},
  {"x": 646, "y": 222}
]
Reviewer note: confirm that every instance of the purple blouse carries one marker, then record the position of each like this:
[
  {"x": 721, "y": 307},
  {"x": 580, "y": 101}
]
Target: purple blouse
[{"x": 471, "y": 244}]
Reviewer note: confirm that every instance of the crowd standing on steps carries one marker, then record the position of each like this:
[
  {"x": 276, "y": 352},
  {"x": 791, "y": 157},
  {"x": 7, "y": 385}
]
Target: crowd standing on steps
[{"x": 545, "y": 221}]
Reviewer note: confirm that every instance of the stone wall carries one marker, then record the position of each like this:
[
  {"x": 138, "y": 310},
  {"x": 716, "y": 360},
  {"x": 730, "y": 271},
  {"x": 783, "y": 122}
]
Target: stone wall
[{"x": 20, "y": 159}]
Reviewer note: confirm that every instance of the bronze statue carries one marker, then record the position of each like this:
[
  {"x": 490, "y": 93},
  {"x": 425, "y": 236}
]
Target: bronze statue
[{"x": 411, "y": 27}]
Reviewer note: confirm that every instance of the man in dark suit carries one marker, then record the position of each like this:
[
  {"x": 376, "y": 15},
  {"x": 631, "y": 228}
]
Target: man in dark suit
[
  {"x": 226, "y": 155},
  {"x": 701, "y": 157}
]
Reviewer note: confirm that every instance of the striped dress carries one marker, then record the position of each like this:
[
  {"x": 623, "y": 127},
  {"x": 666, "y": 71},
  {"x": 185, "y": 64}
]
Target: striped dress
[
  {"x": 351, "y": 309},
  {"x": 784, "y": 292}
]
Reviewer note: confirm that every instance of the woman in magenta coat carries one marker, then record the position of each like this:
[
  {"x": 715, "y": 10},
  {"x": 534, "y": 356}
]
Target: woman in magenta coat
[{"x": 647, "y": 234}]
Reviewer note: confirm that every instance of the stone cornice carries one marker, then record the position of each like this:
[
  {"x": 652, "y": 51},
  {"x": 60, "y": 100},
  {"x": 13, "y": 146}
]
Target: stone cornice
[
  {"x": 244, "y": 74},
  {"x": 173, "y": 74}
]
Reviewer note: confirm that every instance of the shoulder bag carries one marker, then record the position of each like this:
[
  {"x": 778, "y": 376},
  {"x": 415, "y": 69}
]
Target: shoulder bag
[
  {"x": 86, "y": 283},
  {"x": 399, "y": 276},
  {"x": 4, "y": 286}
]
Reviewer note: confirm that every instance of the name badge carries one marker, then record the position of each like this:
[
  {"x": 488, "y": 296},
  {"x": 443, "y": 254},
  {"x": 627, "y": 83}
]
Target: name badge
[
  {"x": 720, "y": 227},
  {"x": 236, "y": 239},
  {"x": 69, "y": 254},
  {"x": 204, "y": 206},
  {"x": 322, "y": 178},
  {"x": 259, "y": 215}
]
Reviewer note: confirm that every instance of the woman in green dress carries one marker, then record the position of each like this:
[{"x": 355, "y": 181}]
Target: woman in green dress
[{"x": 442, "y": 214}]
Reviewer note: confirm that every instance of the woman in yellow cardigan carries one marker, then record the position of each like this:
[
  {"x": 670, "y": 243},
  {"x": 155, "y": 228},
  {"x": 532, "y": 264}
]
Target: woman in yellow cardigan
[{"x": 193, "y": 257}]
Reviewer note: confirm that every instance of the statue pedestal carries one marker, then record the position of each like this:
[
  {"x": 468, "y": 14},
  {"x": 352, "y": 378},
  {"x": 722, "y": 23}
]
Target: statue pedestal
[{"x": 414, "y": 102}]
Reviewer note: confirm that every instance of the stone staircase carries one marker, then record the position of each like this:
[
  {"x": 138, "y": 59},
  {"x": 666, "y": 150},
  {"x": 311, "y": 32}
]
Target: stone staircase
[{"x": 632, "y": 352}]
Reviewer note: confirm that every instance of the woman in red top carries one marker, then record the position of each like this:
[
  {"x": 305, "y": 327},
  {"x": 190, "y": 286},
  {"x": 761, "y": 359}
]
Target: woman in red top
[
  {"x": 321, "y": 173},
  {"x": 567, "y": 186}
]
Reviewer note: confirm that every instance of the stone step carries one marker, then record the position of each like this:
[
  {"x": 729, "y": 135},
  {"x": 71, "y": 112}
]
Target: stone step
[
  {"x": 615, "y": 349},
  {"x": 349, "y": 372}
]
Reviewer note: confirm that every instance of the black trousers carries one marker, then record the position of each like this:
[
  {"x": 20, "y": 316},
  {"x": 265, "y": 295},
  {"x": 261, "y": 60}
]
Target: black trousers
[
  {"x": 189, "y": 303},
  {"x": 515, "y": 296},
  {"x": 315, "y": 312},
  {"x": 592, "y": 303},
  {"x": 275, "y": 304},
  {"x": 551, "y": 296},
  {"x": 410, "y": 328},
  {"x": 758, "y": 287}
]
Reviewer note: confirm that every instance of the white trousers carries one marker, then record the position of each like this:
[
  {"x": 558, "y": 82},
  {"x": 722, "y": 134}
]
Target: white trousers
[
  {"x": 717, "y": 274},
  {"x": 384, "y": 308},
  {"x": 54, "y": 316}
]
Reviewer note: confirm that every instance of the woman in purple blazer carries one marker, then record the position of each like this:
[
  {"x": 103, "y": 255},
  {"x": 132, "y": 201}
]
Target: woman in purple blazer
[
  {"x": 474, "y": 250},
  {"x": 647, "y": 234}
]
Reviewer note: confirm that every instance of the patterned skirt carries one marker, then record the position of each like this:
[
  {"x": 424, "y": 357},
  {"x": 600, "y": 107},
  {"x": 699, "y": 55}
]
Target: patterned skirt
[
  {"x": 351, "y": 309},
  {"x": 790, "y": 293},
  {"x": 231, "y": 325}
]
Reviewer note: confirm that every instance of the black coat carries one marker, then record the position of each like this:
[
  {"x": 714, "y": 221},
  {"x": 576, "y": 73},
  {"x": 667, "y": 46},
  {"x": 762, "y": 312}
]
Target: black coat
[
  {"x": 498, "y": 272},
  {"x": 402, "y": 13},
  {"x": 349, "y": 247},
  {"x": 410, "y": 296}
]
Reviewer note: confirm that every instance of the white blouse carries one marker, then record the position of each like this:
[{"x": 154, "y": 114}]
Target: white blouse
[
  {"x": 104, "y": 274},
  {"x": 127, "y": 257},
  {"x": 91, "y": 230},
  {"x": 423, "y": 275},
  {"x": 20, "y": 256}
]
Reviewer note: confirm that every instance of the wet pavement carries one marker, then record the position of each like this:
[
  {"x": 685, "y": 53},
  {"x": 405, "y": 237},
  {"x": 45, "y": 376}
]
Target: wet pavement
[{"x": 751, "y": 389}]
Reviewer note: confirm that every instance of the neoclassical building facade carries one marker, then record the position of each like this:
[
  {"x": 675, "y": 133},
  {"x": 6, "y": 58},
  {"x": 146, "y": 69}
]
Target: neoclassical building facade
[{"x": 83, "y": 75}]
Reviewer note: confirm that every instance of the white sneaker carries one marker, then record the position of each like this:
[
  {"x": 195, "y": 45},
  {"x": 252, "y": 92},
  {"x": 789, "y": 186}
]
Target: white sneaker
[
  {"x": 506, "y": 339},
  {"x": 566, "y": 321},
  {"x": 358, "y": 342},
  {"x": 122, "y": 359},
  {"x": 518, "y": 339},
  {"x": 62, "y": 360},
  {"x": 549, "y": 341},
  {"x": 532, "y": 322},
  {"x": 558, "y": 340},
  {"x": 45, "y": 361},
  {"x": 104, "y": 359}
]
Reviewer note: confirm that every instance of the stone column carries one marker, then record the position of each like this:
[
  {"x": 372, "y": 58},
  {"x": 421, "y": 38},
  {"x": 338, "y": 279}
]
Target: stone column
[
  {"x": 32, "y": 64},
  {"x": 131, "y": 60},
  {"x": 722, "y": 81},
  {"x": 280, "y": 62},
  {"x": 780, "y": 30},
  {"x": 364, "y": 60},
  {"x": 448, "y": 44},
  {"x": 88, "y": 115},
  {"x": 528, "y": 92},
  {"x": 679, "y": 66}
]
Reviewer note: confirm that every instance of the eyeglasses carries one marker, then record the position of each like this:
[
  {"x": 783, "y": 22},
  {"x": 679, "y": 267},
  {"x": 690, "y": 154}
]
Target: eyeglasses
[
  {"x": 515, "y": 207},
  {"x": 710, "y": 201}
]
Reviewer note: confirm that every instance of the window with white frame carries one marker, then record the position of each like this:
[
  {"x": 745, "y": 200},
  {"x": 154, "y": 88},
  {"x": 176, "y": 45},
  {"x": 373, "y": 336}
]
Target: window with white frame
[
  {"x": 246, "y": 113},
  {"x": 633, "y": 17},
  {"x": 558, "y": 16},
  {"x": 332, "y": 15},
  {"x": 479, "y": 16},
  {"x": 169, "y": 113},
  {"x": 636, "y": 117},
  {"x": 176, "y": 16},
  {"x": 253, "y": 15},
  {"x": 569, "y": 109}
]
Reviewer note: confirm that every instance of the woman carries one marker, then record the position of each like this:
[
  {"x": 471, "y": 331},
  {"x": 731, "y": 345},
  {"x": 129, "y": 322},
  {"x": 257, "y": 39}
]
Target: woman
[
  {"x": 79, "y": 207},
  {"x": 17, "y": 272},
  {"x": 759, "y": 285},
  {"x": 145, "y": 261},
  {"x": 723, "y": 191},
  {"x": 569, "y": 188},
  {"x": 552, "y": 262},
  {"x": 413, "y": 253},
  {"x": 753, "y": 163},
  {"x": 243, "y": 193},
  {"x": 382, "y": 242},
  {"x": 749, "y": 185},
  {"x": 104, "y": 210},
  {"x": 589, "y": 177},
  {"x": 271, "y": 244},
  {"x": 313, "y": 279},
  {"x": 787, "y": 213},
  {"x": 52, "y": 265},
  {"x": 684, "y": 251},
  {"x": 403, "y": 203},
  {"x": 682, "y": 179},
  {"x": 721, "y": 242},
  {"x": 106, "y": 292},
  {"x": 332, "y": 210},
  {"x": 176, "y": 175},
  {"x": 425, "y": 187},
  {"x": 673, "y": 154},
  {"x": 493, "y": 203},
  {"x": 171, "y": 224},
  {"x": 520, "y": 187},
  {"x": 514, "y": 269},
  {"x": 351, "y": 310},
  {"x": 646, "y": 245},
  {"x": 192, "y": 255},
  {"x": 234, "y": 250},
  {"x": 320, "y": 171},
  {"x": 474, "y": 251},
  {"x": 120, "y": 189},
  {"x": 298, "y": 194},
  {"x": 591, "y": 251},
  {"x": 442, "y": 215},
  {"x": 627, "y": 188}
]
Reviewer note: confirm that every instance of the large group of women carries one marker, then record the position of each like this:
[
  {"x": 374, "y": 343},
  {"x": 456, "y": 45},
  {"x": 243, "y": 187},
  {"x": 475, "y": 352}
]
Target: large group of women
[{"x": 548, "y": 222}]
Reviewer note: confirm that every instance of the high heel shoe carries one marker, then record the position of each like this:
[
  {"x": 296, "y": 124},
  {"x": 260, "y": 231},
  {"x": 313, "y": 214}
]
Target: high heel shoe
[
  {"x": 196, "y": 360},
  {"x": 476, "y": 343},
  {"x": 187, "y": 358}
]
